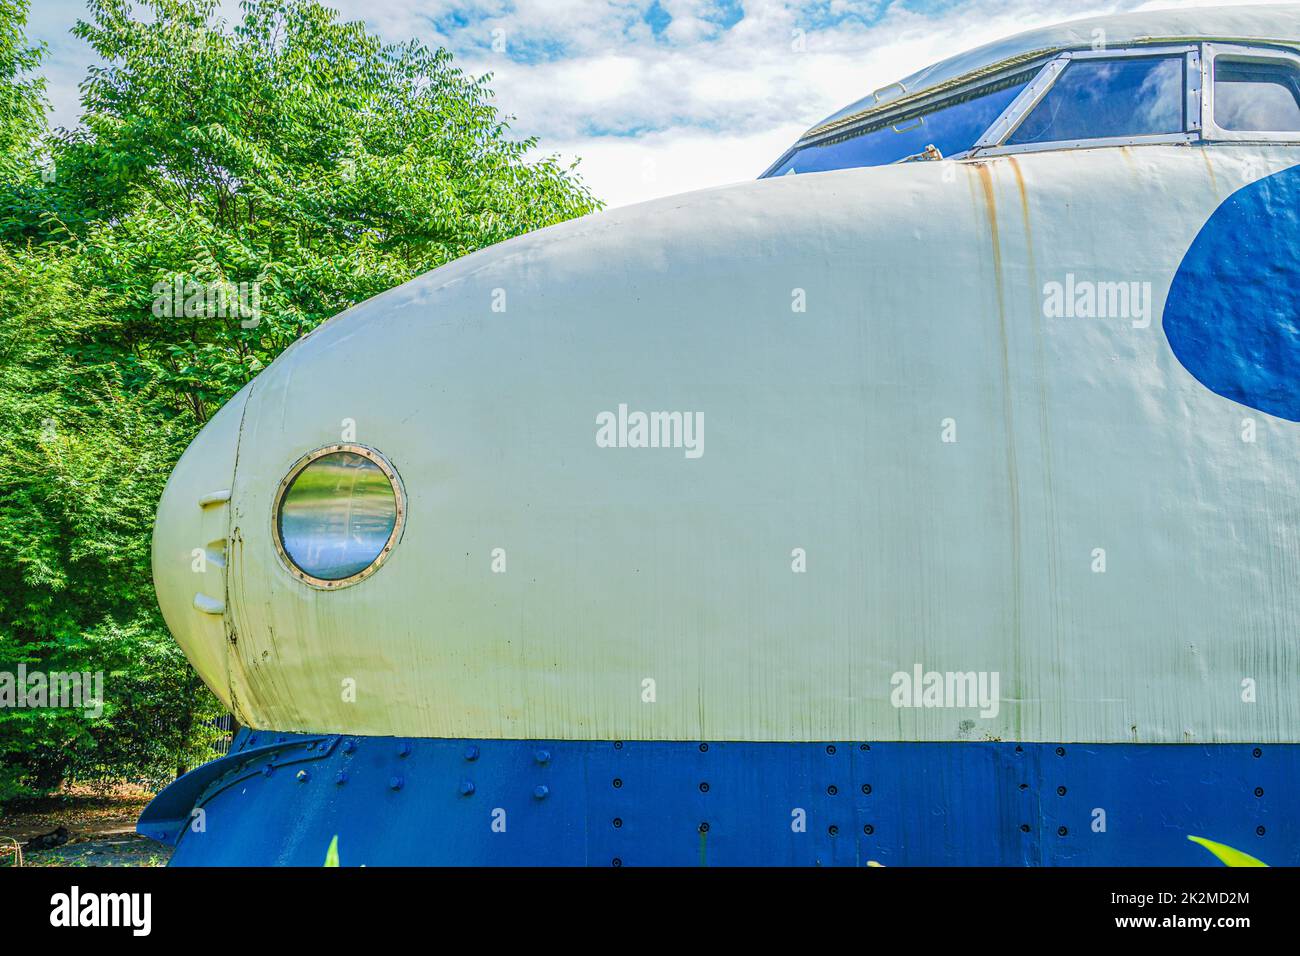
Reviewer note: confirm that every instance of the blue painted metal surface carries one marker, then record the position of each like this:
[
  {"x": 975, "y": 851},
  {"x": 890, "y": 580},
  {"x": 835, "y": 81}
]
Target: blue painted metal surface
[
  {"x": 281, "y": 798},
  {"x": 1233, "y": 312}
]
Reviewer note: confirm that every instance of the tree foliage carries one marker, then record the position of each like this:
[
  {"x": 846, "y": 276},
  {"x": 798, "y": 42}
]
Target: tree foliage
[
  {"x": 289, "y": 150},
  {"x": 22, "y": 117}
]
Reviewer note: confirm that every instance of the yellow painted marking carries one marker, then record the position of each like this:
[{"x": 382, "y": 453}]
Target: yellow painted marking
[{"x": 1227, "y": 854}]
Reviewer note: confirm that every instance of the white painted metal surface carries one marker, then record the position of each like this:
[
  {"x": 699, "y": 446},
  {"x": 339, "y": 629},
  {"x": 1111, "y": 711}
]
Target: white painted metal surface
[{"x": 823, "y": 431}]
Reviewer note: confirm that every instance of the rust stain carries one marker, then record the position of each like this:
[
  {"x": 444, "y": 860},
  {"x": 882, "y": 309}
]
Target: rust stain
[
  {"x": 1013, "y": 479},
  {"x": 1129, "y": 160},
  {"x": 1024, "y": 195},
  {"x": 991, "y": 211},
  {"x": 1035, "y": 304},
  {"x": 234, "y": 564},
  {"x": 1209, "y": 167}
]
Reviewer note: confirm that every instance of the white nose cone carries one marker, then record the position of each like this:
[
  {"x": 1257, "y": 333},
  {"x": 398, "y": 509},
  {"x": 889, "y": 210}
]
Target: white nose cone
[{"x": 189, "y": 544}]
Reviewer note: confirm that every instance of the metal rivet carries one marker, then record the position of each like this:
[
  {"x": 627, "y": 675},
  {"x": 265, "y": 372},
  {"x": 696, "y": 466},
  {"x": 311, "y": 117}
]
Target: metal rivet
[
  {"x": 1259, "y": 791},
  {"x": 350, "y": 746},
  {"x": 833, "y": 830},
  {"x": 617, "y": 783},
  {"x": 1257, "y": 752},
  {"x": 1024, "y": 828},
  {"x": 864, "y": 747},
  {"x": 1060, "y": 751},
  {"x": 1259, "y": 830},
  {"x": 618, "y": 823},
  {"x": 616, "y": 862},
  {"x": 396, "y": 783},
  {"x": 1060, "y": 791},
  {"x": 868, "y": 829},
  {"x": 704, "y": 828},
  {"x": 704, "y": 748},
  {"x": 1062, "y": 831},
  {"x": 471, "y": 752},
  {"x": 466, "y": 787},
  {"x": 830, "y": 749},
  {"x": 342, "y": 778},
  {"x": 542, "y": 756},
  {"x": 266, "y": 771},
  {"x": 540, "y": 791},
  {"x": 832, "y": 790},
  {"x": 704, "y": 787},
  {"x": 618, "y": 745},
  {"x": 303, "y": 776},
  {"x": 1024, "y": 786},
  {"x": 1019, "y": 749},
  {"x": 405, "y": 751},
  {"x": 866, "y": 788}
]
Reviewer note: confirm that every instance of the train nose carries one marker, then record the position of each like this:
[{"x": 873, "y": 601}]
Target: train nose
[{"x": 189, "y": 544}]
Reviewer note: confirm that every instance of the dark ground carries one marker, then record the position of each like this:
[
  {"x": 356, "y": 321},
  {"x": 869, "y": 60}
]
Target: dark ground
[{"x": 101, "y": 824}]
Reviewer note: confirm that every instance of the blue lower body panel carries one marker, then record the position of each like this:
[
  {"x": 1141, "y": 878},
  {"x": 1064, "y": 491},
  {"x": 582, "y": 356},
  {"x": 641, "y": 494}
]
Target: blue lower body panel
[{"x": 283, "y": 799}]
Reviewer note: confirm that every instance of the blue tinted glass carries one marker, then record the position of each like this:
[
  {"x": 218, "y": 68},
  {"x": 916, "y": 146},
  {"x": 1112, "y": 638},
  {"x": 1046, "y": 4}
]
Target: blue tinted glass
[
  {"x": 1099, "y": 99},
  {"x": 337, "y": 516},
  {"x": 953, "y": 128},
  {"x": 1256, "y": 96}
]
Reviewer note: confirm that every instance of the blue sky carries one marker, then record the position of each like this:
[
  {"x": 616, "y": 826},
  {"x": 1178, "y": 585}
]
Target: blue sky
[{"x": 660, "y": 96}]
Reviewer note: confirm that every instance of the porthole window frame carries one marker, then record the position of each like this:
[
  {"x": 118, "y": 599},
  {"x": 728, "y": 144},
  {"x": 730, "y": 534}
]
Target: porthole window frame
[{"x": 375, "y": 457}]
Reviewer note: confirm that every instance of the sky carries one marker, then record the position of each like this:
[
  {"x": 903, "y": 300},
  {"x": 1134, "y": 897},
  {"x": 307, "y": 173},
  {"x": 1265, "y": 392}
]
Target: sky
[{"x": 658, "y": 97}]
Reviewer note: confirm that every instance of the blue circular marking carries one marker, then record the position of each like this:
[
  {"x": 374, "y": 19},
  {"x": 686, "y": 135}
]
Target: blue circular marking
[{"x": 1233, "y": 313}]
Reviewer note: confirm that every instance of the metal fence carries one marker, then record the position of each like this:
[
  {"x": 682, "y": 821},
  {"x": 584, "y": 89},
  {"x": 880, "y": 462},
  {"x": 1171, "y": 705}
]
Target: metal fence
[
  {"x": 226, "y": 724},
  {"x": 108, "y": 776}
]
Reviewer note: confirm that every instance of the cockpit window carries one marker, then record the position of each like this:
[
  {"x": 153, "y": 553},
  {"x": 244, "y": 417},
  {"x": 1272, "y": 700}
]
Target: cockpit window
[
  {"x": 952, "y": 126},
  {"x": 1107, "y": 98},
  {"x": 1262, "y": 97}
]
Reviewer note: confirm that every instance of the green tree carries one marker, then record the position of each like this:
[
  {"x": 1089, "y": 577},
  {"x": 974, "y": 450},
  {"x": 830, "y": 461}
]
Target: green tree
[
  {"x": 22, "y": 120},
  {"x": 290, "y": 150},
  {"x": 82, "y": 464}
]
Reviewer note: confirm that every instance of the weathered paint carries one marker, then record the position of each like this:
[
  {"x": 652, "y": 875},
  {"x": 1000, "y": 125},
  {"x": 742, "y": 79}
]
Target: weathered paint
[
  {"x": 1233, "y": 314},
  {"x": 291, "y": 800},
  {"x": 823, "y": 433},
  {"x": 1144, "y": 715}
]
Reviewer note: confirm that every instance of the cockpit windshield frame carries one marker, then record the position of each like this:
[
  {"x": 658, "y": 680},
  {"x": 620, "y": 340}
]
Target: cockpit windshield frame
[
  {"x": 1198, "y": 114},
  {"x": 1249, "y": 53},
  {"x": 995, "y": 141}
]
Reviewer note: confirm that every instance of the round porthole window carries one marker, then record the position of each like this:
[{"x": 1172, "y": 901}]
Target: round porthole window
[{"x": 338, "y": 515}]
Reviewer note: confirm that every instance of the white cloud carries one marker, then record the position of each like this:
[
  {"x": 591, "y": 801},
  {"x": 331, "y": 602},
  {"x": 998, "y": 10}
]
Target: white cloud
[
  {"x": 623, "y": 171},
  {"x": 699, "y": 104}
]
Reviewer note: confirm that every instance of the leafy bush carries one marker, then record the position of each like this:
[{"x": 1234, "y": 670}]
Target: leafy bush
[{"x": 289, "y": 150}]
